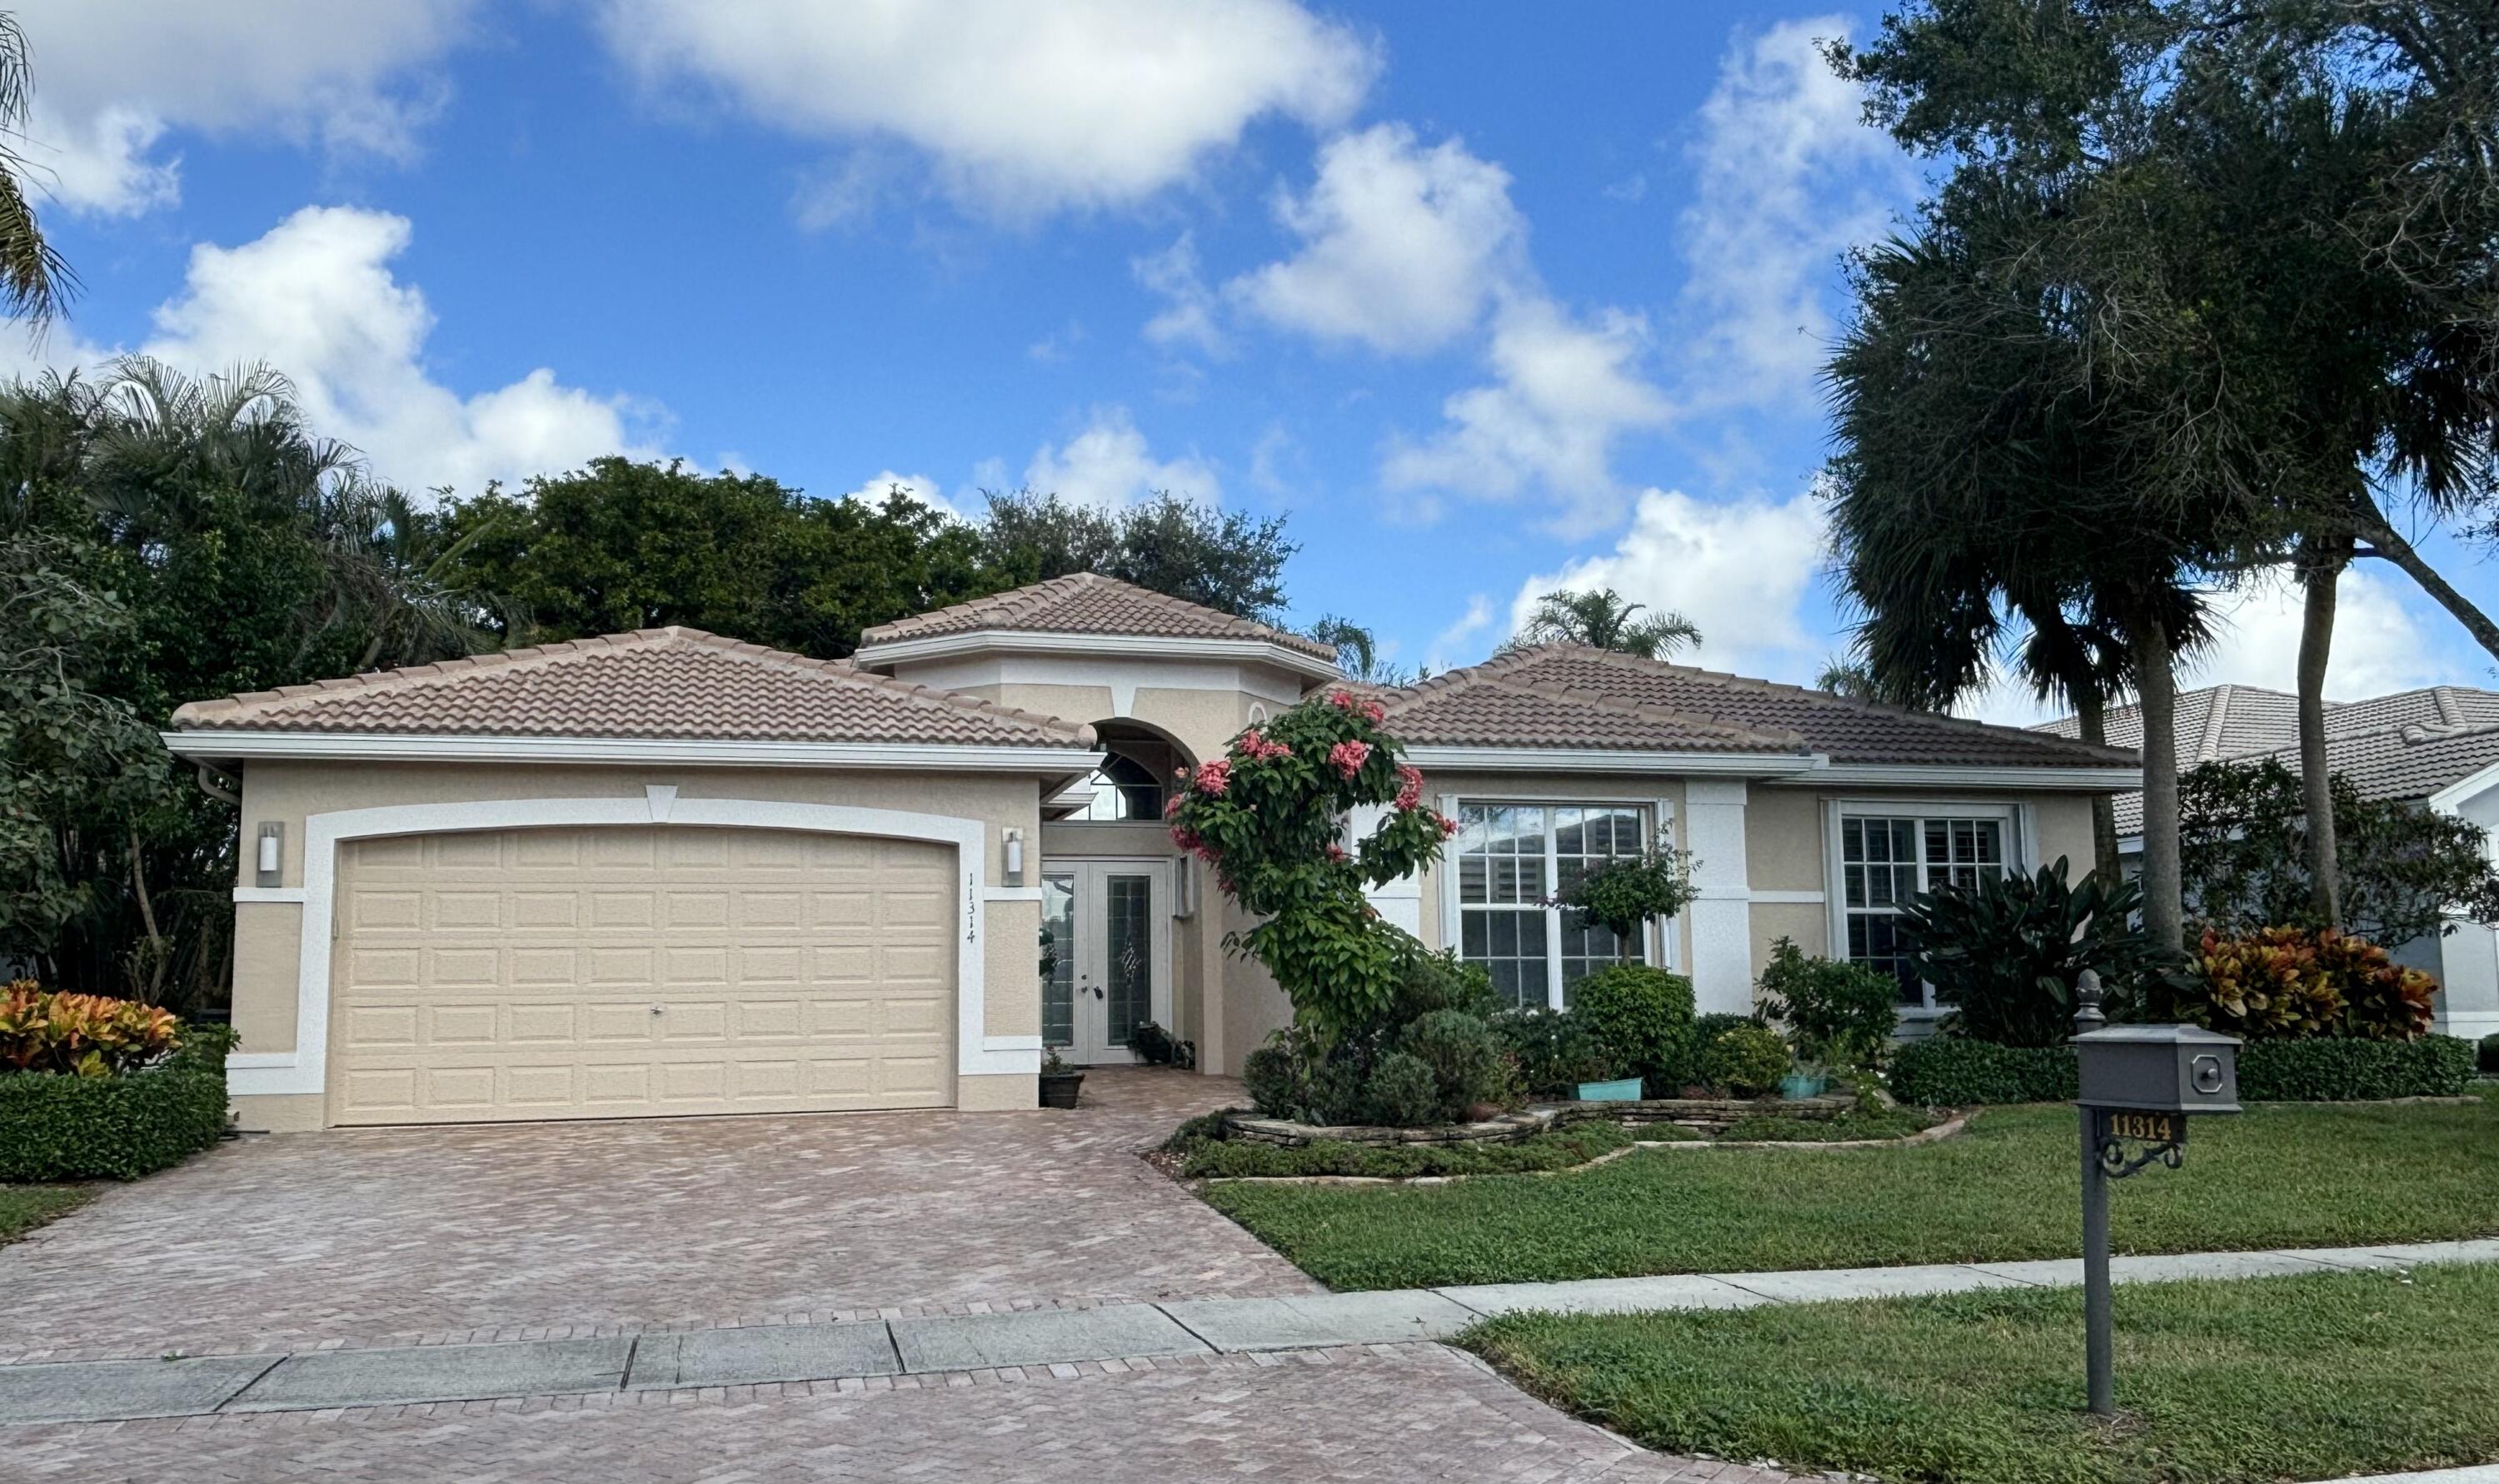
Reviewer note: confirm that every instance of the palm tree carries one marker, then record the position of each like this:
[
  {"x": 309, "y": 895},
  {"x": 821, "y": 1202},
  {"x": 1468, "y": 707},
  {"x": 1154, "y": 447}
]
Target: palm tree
[
  {"x": 34, "y": 280},
  {"x": 1600, "y": 619},
  {"x": 1357, "y": 653}
]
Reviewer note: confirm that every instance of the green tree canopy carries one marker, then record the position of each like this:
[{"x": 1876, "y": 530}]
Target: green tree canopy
[{"x": 1227, "y": 559}]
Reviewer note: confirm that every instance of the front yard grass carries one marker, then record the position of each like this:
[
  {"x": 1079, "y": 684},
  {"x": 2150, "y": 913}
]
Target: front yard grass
[
  {"x": 2217, "y": 1382},
  {"x": 24, "y": 1208},
  {"x": 2007, "y": 1188}
]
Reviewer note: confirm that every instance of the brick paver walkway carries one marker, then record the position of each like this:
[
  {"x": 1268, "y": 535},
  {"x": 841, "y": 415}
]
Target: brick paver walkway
[
  {"x": 413, "y": 1236},
  {"x": 1409, "y": 1412}
]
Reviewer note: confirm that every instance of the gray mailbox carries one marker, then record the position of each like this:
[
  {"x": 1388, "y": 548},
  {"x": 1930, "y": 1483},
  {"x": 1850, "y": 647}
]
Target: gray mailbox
[
  {"x": 2174, "y": 1069},
  {"x": 2139, "y": 1085}
]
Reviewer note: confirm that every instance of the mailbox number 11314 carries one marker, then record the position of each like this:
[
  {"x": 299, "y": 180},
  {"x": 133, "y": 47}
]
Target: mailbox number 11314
[{"x": 2151, "y": 1127}]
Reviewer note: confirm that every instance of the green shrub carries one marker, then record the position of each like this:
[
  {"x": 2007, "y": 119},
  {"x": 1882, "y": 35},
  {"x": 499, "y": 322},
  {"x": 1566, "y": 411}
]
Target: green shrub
[
  {"x": 1747, "y": 1061},
  {"x": 2004, "y": 953},
  {"x": 1832, "y": 1008},
  {"x": 2489, "y": 1058},
  {"x": 2340, "y": 1070},
  {"x": 1639, "y": 1018},
  {"x": 1958, "y": 1072},
  {"x": 1440, "y": 982},
  {"x": 1292, "y": 1078},
  {"x": 1552, "y": 1050},
  {"x": 1401, "y": 1093},
  {"x": 1467, "y": 1067},
  {"x": 56, "y": 1126},
  {"x": 1953, "y": 1071}
]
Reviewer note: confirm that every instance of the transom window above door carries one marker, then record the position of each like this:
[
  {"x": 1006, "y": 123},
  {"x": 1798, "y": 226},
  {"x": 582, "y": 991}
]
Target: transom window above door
[
  {"x": 1887, "y": 859},
  {"x": 1511, "y": 860}
]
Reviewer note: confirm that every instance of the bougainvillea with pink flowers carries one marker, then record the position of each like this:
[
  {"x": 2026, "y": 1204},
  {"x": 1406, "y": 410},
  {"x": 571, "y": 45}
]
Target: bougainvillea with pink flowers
[{"x": 1268, "y": 819}]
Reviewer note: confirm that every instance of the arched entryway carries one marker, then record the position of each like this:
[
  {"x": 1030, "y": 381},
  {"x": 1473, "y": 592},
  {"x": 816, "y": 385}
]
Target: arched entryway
[{"x": 1112, "y": 886}]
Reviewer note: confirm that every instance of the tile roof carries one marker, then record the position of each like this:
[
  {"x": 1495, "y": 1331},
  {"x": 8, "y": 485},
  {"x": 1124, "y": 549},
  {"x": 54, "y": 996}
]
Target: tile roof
[
  {"x": 1088, "y": 603},
  {"x": 657, "y": 683},
  {"x": 1624, "y": 701},
  {"x": 2407, "y": 745}
]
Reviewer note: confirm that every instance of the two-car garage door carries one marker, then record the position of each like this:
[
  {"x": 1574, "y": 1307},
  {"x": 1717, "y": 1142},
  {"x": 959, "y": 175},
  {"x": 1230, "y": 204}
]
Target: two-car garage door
[{"x": 601, "y": 973}]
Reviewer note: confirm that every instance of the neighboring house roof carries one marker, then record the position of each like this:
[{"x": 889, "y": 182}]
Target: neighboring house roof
[
  {"x": 1627, "y": 702},
  {"x": 658, "y": 684},
  {"x": 2407, "y": 745},
  {"x": 1088, "y": 603}
]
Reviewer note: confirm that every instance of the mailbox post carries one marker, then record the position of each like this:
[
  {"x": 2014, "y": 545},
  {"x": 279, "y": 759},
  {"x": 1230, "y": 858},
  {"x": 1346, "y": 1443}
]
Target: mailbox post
[{"x": 2139, "y": 1084}]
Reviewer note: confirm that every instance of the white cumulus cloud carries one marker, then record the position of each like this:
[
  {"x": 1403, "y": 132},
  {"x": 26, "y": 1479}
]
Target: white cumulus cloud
[
  {"x": 1563, "y": 392},
  {"x": 1025, "y": 106},
  {"x": 315, "y": 298},
  {"x": 1110, "y": 465},
  {"x": 2379, "y": 646},
  {"x": 1401, "y": 245},
  {"x": 114, "y": 80},
  {"x": 1738, "y": 570},
  {"x": 1787, "y": 176}
]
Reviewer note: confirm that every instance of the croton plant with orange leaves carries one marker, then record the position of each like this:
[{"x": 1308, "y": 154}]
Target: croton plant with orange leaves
[
  {"x": 2281, "y": 983},
  {"x": 84, "y": 1034}
]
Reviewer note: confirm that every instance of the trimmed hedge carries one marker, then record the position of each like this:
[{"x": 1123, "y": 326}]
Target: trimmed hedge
[
  {"x": 1954, "y": 1072},
  {"x": 54, "y": 1126}
]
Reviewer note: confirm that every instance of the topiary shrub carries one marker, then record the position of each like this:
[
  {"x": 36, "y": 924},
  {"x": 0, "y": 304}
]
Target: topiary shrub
[
  {"x": 1639, "y": 1018},
  {"x": 1953, "y": 1071},
  {"x": 1552, "y": 1050},
  {"x": 1832, "y": 1008},
  {"x": 1438, "y": 981},
  {"x": 66, "y": 1126},
  {"x": 1402, "y": 1092},
  {"x": 2343, "y": 1069},
  {"x": 1747, "y": 1061},
  {"x": 1958, "y": 1072},
  {"x": 1293, "y": 1076},
  {"x": 1466, "y": 1064},
  {"x": 2489, "y": 1058}
]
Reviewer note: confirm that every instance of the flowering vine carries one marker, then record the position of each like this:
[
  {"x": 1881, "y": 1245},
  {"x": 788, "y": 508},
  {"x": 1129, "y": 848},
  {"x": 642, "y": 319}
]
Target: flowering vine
[{"x": 1269, "y": 819}]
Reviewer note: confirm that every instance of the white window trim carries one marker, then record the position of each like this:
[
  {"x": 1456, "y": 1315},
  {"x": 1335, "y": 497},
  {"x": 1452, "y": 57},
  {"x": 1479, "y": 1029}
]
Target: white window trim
[
  {"x": 1658, "y": 943},
  {"x": 2021, "y": 836},
  {"x": 306, "y": 1068}
]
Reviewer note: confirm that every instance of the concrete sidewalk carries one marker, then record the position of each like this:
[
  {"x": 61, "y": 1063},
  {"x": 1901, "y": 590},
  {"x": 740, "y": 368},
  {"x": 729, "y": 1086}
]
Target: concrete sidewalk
[{"x": 968, "y": 1344}]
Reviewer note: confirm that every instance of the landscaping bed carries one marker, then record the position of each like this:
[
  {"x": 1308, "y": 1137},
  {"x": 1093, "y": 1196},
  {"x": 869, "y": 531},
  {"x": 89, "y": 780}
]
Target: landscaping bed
[
  {"x": 1698, "y": 1117},
  {"x": 2242, "y": 1382},
  {"x": 24, "y": 1208},
  {"x": 2006, "y": 1188}
]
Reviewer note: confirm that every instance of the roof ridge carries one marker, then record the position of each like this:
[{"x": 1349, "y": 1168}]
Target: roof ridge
[
  {"x": 1620, "y": 660},
  {"x": 1779, "y": 736},
  {"x": 2217, "y": 717},
  {"x": 1030, "y": 605}
]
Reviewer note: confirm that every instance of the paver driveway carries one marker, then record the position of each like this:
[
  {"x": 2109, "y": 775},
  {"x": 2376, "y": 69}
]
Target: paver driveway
[{"x": 406, "y": 1235}]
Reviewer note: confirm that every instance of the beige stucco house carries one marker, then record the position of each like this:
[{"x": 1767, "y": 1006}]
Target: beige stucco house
[{"x": 668, "y": 873}]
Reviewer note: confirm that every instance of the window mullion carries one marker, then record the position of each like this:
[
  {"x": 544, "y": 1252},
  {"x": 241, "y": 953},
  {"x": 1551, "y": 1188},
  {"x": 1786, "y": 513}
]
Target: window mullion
[{"x": 1553, "y": 914}]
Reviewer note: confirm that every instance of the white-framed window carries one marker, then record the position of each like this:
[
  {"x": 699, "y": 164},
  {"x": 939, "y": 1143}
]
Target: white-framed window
[
  {"x": 1512, "y": 860},
  {"x": 1886, "y": 854}
]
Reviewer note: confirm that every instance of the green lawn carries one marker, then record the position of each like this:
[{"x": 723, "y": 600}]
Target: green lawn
[
  {"x": 2250, "y": 1380},
  {"x": 24, "y": 1208},
  {"x": 2278, "y": 1175}
]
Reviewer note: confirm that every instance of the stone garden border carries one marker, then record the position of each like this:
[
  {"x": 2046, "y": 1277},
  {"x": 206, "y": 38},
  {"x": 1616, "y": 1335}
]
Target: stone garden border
[
  {"x": 1947, "y": 1129},
  {"x": 1705, "y": 1117}
]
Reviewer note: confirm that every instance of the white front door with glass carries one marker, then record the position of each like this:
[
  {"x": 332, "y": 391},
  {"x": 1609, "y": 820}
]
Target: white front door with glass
[{"x": 1106, "y": 955}]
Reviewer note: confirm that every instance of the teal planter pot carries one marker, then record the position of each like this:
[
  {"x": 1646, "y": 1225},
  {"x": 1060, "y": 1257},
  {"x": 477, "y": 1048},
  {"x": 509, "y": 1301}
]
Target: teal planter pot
[
  {"x": 1797, "y": 1086},
  {"x": 1622, "y": 1089}
]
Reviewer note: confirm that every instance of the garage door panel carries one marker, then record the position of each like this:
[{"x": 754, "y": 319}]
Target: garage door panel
[{"x": 515, "y": 975}]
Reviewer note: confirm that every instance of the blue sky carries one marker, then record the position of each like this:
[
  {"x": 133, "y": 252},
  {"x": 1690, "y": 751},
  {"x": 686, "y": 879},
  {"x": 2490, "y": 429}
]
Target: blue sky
[{"x": 1486, "y": 298}]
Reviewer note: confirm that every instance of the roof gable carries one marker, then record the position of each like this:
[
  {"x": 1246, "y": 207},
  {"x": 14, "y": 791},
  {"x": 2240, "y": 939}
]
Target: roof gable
[
  {"x": 1090, "y": 604},
  {"x": 654, "y": 683}
]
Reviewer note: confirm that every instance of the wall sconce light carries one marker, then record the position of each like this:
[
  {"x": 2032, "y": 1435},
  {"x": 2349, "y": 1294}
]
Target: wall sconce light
[
  {"x": 1013, "y": 840},
  {"x": 1185, "y": 887},
  {"x": 265, "y": 865}
]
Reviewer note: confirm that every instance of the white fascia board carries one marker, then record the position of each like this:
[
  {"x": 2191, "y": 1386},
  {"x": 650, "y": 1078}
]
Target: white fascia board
[
  {"x": 1021, "y": 641},
  {"x": 2453, "y": 797},
  {"x": 2066, "y": 779},
  {"x": 379, "y": 747},
  {"x": 1560, "y": 759}
]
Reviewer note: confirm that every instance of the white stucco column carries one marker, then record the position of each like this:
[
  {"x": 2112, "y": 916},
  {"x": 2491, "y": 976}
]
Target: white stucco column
[
  {"x": 1721, "y": 913},
  {"x": 1400, "y": 902}
]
